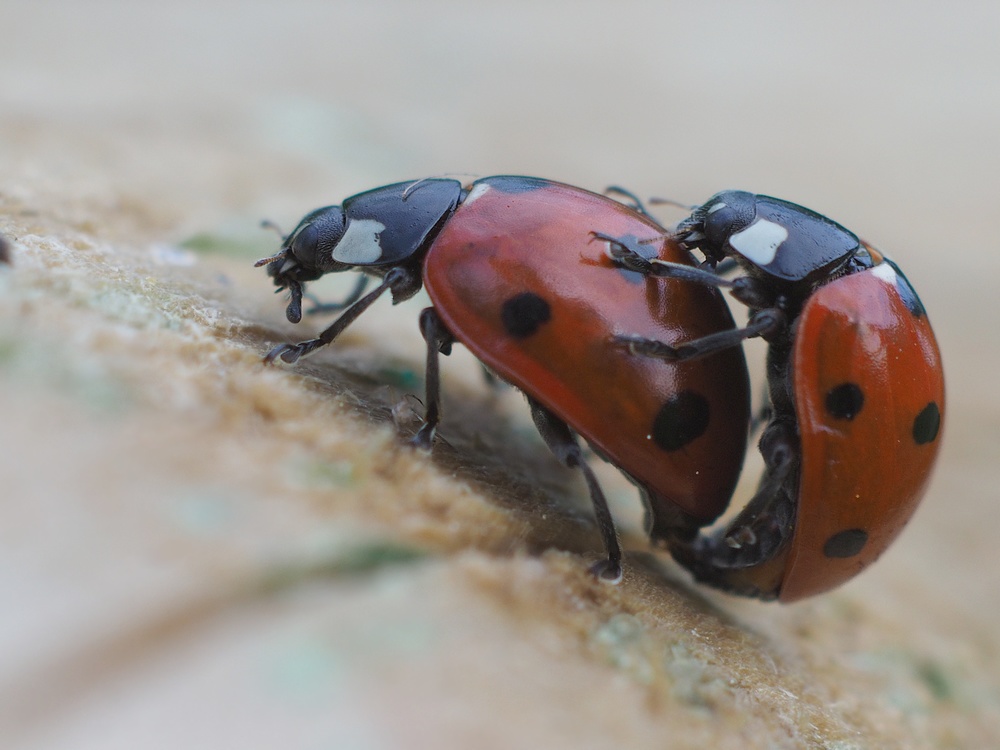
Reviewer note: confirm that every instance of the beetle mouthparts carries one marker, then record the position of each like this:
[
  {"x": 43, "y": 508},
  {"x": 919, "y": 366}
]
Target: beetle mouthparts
[{"x": 294, "y": 310}]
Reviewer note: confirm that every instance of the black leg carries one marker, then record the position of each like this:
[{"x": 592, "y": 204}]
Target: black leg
[
  {"x": 564, "y": 445},
  {"x": 396, "y": 278},
  {"x": 763, "y": 415},
  {"x": 439, "y": 341},
  {"x": 760, "y": 530},
  {"x": 726, "y": 265},
  {"x": 627, "y": 252},
  {"x": 631, "y": 199},
  {"x": 323, "y": 308},
  {"x": 764, "y": 323}
]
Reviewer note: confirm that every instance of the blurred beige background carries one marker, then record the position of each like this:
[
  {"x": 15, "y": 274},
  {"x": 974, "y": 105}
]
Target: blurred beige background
[{"x": 198, "y": 552}]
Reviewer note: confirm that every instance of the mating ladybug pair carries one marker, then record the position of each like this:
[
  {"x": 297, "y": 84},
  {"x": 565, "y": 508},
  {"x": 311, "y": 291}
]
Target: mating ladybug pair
[{"x": 616, "y": 334}]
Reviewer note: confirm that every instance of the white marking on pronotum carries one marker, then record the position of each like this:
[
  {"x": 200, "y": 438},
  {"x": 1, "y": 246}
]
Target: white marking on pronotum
[
  {"x": 760, "y": 241},
  {"x": 886, "y": 273},
  {"x": 360, "y": 243},
  {"x": 477, "y": 192},
  {"x": 715, "y": 207}
]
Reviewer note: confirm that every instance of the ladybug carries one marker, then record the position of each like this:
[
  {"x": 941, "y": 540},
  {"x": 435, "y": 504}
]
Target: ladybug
[
  {"x": 514, "y": 273},
  {"x": 855, "y": 386}
]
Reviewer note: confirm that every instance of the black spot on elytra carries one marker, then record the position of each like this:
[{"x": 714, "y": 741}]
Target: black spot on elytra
[
  {"x": 906, "y": 291},
  {"x": 511, "y": 185},
  {"x": 523, "y": 314},
  {"x": 846, "y": 543},
  {"x": 927, "y": 424},
  {"x": 845, "y": 401},
  {"x": 681, "y": 420}
]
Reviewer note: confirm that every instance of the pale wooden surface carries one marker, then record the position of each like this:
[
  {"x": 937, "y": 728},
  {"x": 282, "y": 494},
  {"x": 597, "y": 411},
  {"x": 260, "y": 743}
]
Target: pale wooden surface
[{"x": 196, "y": 551}]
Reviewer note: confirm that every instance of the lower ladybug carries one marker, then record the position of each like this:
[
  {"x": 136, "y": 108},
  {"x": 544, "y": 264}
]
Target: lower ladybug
[
  {"x": 855, "y": 385},
  {"x": 514, "y": 273}
]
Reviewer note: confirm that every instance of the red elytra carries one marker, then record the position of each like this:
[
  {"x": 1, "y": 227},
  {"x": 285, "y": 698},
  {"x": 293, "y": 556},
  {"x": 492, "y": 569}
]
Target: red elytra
[
  {"x": 858, "y": 330},
  {"x": 571, "y": 364}
]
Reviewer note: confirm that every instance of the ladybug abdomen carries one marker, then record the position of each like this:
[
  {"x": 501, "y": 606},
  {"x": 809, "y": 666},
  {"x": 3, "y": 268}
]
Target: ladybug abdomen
[
  {"x": 869, "y": 396},
  {"x": 517, "y": 277}
]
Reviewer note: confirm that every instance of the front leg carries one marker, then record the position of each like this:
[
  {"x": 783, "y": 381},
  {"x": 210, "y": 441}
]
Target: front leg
[
  {"x": 398, "y": 278},
  {"x": 629, "y": 198},
  {"x": 627, "y": 253},
  {"x": 324, "y": 308}
]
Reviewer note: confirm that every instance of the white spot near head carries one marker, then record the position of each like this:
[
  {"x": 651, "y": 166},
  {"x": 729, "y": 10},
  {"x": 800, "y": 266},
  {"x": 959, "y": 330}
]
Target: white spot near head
[
  {"x": 360, "y": 243},
  {"x": 715, "y": 207},
  {"x": 760, "y": 241},
  {"x": 478, "y": 191},
  {"x": 886, "y": 273}
]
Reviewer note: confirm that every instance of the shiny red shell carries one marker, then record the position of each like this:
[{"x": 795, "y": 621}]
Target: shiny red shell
[
  {"x": 869, "y": 397},
  {"x": 517, "y": 277}
]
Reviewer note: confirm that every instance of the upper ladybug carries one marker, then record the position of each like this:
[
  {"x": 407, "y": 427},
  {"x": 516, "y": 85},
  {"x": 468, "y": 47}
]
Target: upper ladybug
[{"x": 855, "y": 387}]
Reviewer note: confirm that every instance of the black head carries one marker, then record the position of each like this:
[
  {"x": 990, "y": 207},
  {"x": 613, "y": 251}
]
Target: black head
[
  {"x": 306, "y": 254},
  {"x": 712, "y": 224},
  {"x": 380, "y": 228},
  {"x": 768, "y": 237}
]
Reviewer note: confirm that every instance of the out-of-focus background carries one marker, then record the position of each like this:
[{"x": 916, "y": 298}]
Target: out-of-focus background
[{"x": 199, "y": 552}]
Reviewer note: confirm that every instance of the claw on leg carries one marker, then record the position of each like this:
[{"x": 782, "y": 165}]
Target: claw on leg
[
  {"x": 643, "y": 347},
  {"x": 607, "y": 571},
  {"x": 286, "y": 352}
]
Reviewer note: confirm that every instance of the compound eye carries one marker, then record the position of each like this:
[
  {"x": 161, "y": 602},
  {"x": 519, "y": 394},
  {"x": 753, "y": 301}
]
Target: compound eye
[
  {"x": 313, "y": 240},
  {"x": 305, "y": 244},
  {"x": 720, "y": 223},
  {"x": 725, "y": 214}
]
